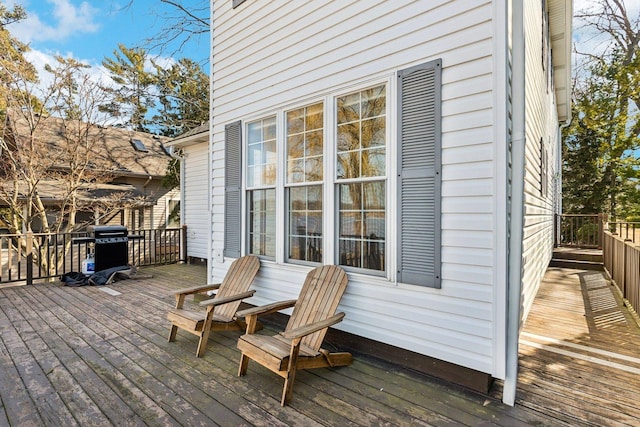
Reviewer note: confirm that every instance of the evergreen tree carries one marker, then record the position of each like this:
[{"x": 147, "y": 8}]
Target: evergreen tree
[
  {"x": 132, "y": 95},
  {"x": 183, "y": 90},
  {"x": 601, "y": 145}
]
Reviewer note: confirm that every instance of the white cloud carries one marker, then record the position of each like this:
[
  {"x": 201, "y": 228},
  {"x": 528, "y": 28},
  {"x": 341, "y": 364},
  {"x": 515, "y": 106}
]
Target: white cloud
[
  {"x": 68, "y": 20},
  {"x": 40, "y": 59}
]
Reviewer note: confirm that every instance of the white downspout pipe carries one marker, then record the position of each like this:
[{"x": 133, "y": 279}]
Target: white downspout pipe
[
  {"x": 516, "y": 217},
  {"x": 210, "y": 258}
]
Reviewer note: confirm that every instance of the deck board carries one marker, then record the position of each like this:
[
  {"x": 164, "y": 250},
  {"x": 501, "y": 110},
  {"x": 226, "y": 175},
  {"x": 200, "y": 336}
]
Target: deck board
[
  {"x": 79, "y": 356},
  {"x": 576, "y": 350}
]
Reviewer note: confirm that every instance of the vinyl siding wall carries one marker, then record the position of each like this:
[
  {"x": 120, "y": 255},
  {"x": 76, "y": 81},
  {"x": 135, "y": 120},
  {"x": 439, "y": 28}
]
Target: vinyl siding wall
[
  {"x": 197, "y": 216},
  {"x": 269, "y": 56},
  {"x": 541, "y": 124}
]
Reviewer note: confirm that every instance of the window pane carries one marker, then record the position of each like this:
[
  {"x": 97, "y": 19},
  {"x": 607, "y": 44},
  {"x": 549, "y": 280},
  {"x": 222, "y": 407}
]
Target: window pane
[
  {"x": 373, "y": 132},
  {"x": 254, "y": 154},
  {"x": 314, "y": 118},
  {"x": 305, "y": 136},
  {"x": 348, "y": 165},
  {"x": 349, "y": 108},
  {"x": 254, "y": 132},
  {"x": 314, "y": 144},
  {"x": 359, "y": 133},
  {"x": 350, "y": 197},
  {"x": 351, "y": 225},
  {"x": 269, "y": 128},
  {"x": 313, "y": 169},
  {"x": 314, "y": 197},
  {"x": 374, "y": 225},
  {"x": 253, "y": 175},
  {"x": 374, "y": 102},
  {"x": 295, "y": 146},
  {"x": 261, "y": 153},
  {"x": 305, "y": 223},
  {"x": 295, "y": 171},
  {"x": 348, "y": 137},
  {"x": 373, "y": 195},
  {"x": 270, "y": 152},
  {"x": 373, "y": 162},
  {"x": 295, "y": 121},
  {"x": 362, "y": 225},
  {"x": 262, "y": 222}
]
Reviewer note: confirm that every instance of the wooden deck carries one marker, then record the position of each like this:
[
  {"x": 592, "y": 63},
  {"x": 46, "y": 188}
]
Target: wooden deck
[
  {"x": 580, "y": 352},
  {"x": 82, "y": 356}
]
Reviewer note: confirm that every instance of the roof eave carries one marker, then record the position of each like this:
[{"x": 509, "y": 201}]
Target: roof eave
[{"x": 560, "y": 31}]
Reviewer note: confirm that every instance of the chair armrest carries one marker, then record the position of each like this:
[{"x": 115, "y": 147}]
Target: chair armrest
[
  {"x": 220, "y": 301},
  {"x": 313, "y": 327},
  {"x": 266, "y": 309},
  {"x": 196, "y": 289}
]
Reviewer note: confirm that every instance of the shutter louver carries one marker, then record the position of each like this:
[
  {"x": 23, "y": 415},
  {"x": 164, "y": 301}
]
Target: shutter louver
[
  {"x": 419, "y": 138},
  {"x": 232, "y": 189}
]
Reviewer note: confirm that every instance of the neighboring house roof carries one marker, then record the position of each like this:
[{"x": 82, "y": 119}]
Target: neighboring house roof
[
  {"x": 194, "y": 136},
  {"x": 117, "y": 154},
  {"x": 112, "y": 149},
  {"x": 90, "y": 193}
]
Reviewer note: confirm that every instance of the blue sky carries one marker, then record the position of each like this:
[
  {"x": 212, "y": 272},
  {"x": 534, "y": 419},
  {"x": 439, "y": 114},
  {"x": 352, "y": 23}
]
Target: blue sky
[{"x": 89, "y": 30}]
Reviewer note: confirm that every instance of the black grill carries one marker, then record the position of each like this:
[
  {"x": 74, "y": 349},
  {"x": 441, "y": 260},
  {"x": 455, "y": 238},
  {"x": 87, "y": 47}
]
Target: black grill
[{"x": 111, "y": 245}]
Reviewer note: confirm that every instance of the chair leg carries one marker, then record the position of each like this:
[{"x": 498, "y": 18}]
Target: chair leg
[
  {"x": 287, "y": 391},
  {"x": 202, "y": 344},
  {"x": 244, "y": 364},
  {"x": 172, "y": 333}
]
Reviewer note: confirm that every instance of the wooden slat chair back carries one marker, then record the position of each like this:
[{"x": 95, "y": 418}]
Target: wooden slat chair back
[
  {"x": 220, "y": 314},
  {"x": 298, "y": 346},
  {"x": 237, "y": 280},
  {"x": 318, "y": 300}
]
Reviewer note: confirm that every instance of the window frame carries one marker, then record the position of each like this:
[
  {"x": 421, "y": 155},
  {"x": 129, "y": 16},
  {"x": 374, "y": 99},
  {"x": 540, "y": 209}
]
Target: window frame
[
  {"x": 336, "y": 182},
  {"x": 287, "y": 186},
  {"x": 247, "y": 189}
]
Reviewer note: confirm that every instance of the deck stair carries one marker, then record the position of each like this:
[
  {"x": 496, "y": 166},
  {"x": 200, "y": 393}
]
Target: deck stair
[{"x": 577, "y": 258}]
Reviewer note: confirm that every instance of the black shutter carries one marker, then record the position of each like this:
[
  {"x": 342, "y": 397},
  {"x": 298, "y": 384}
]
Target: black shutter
[
  {"x": 232, "y": 189},
  {"x": 419, "y": 174}
]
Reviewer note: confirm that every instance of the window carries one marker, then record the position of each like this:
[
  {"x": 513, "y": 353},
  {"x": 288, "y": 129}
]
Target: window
[
  {"x": 139, "y": 145},
  {"x": 261, "y": 181},
  {"x": 361, "y": 178},
  {"x": 305, "y": 150},
  {"x": 544, "y": 179},
  {"x": 237, "y": 3},
  {"x": 173, "y": 213}
]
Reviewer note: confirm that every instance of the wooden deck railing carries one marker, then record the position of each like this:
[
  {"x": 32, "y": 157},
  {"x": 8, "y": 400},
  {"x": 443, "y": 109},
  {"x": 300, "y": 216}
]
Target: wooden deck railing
[
  {"x": 618, "y": 242},
  {"x": 577, "y": 230},
  {"x": 622, "y": 261},
  {"x": 33, "y": 256}
]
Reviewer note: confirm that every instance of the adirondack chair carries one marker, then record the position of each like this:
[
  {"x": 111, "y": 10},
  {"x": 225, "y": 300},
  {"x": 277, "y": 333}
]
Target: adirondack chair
[
  {"x": 298, "y": 347},
  {"x": 221, "y": 309}
]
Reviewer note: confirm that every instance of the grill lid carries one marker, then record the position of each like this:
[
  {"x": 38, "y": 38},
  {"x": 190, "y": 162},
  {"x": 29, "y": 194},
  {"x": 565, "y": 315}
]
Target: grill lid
[{"x": 98, "y": 231}]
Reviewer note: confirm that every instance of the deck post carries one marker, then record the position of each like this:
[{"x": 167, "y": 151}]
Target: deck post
[
  {"x": 29, "y": 255},
  {"x": 183, "y": 245}
]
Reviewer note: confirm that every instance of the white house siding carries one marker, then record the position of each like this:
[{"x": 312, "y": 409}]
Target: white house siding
[
  {"x": 541, "y": 123},
  {"x": 196, "y": 199},
  {"x": 268, "y": 56},
  {"x": 160, "y": 211}
]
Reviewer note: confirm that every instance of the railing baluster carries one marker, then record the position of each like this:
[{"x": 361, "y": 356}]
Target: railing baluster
[{"x": 48, "y": 257}]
